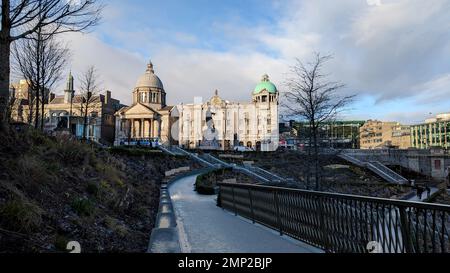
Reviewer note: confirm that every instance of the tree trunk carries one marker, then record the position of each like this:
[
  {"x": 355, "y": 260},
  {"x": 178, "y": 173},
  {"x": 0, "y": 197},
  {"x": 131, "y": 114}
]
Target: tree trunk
[
  {"x": 42, "y": 108},
  {"x": 316, "y": 159},
  {"x": 85, "y": 123},
  {"x": 36, "y": 118},
  {"x": 308, "y": 169},
  {"x": 5, "y": 49}
]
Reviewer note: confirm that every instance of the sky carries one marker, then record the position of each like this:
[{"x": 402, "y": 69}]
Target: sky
[{"x": 393, "y": 54}]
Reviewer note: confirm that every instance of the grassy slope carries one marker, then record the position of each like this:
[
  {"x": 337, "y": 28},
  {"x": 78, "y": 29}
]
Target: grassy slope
[{"x": 57, "y": 190}]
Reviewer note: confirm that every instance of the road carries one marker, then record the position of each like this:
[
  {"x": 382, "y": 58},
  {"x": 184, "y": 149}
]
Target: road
[{"x": 205, "y": 228}]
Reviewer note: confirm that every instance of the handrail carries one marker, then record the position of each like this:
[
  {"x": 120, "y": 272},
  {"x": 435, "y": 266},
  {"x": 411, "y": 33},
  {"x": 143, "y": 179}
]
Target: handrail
[
  {"x": 345, "y": 196},
  {"x": 342, "y": 222}
]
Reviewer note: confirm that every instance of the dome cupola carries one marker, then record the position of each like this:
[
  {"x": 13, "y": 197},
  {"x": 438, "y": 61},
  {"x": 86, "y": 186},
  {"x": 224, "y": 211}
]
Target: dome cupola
[
  {"x": 265, "y": 85},
  {"x": 149, "y": 79}
]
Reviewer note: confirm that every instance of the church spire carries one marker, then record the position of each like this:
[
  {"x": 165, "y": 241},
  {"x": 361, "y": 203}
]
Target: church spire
[
  {"x": 69, "y": 92},
  {"x": 69, "y": 84}
]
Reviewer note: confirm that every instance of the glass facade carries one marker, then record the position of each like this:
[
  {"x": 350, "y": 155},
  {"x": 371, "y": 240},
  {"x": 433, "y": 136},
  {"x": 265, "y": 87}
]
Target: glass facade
[
  {"x": 429, "y": 135},
  {"x": 338, "y": 134}
]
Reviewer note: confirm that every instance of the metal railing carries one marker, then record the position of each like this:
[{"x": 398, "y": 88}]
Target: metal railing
[
  {"x": 195, "y": 157},
  {"x": 386, "y": 173},
  {"x": 342, "y": 223},
  {"x": 378, "y": 168}
]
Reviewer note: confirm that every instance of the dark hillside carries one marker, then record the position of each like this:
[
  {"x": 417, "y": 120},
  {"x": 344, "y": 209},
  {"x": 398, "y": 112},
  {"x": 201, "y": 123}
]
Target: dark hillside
[{"x": 55, "y": 190}]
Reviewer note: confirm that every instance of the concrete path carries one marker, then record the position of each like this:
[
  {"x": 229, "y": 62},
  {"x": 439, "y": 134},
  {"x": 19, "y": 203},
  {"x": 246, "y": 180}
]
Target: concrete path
[
  {"x": 205, "y": 228},
  {"x": 415, "y": 198}
]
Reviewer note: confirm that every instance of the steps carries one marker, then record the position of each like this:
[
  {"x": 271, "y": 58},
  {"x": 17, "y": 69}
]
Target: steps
[
  {"x": 376, "y": 167},
  {"x": 388, "y": 174}
]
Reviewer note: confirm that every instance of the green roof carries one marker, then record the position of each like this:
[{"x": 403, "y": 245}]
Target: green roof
[{"x": 265, "y": 85}]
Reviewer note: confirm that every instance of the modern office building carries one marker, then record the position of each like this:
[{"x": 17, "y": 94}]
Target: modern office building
[
  {"x": 434, "y": 132},
  {"x": 334, "y": 134},
  {"x": 376, "y": 134}
]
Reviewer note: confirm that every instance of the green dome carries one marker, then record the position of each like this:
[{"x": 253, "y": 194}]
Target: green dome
[{"x": 265, "y": 85}]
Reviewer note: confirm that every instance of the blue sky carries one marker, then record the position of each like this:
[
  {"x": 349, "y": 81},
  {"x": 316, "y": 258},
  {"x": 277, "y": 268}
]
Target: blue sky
[{"x": 394, "y": 54}]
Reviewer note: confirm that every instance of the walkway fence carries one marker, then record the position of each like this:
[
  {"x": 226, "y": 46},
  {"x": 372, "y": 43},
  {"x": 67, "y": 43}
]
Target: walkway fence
[{"x": 342, "y": 223}]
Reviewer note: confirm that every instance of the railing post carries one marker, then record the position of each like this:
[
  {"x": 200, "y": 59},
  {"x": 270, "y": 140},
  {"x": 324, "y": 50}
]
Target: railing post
[
  {"x": 234, "y": 202},
  {"x": 219, "y": 198},
  {"x": 277, "y": 208},
  {"x": 323, "y": 226},
  {"x": 406, "y": 232},
  {"x": 251, "y": 204}
]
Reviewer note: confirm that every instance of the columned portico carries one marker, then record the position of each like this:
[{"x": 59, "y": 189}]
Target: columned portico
[
  {"x": 145, "y": 116},
  {"x": 143, "y": 128}
]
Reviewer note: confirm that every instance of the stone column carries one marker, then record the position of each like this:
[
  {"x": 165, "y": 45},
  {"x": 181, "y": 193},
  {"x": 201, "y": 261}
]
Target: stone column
[
  {"x": 151, "y": 128},
  {"x": 158, "y": 128}
]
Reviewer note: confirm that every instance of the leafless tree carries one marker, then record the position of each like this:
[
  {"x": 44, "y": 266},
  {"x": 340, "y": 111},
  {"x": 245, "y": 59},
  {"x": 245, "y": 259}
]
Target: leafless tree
[
  {"x": 40, "y": 60},
  {"x": 89, "y": 96},
  {"x": 21, "y": 18},
  {"x": 315, "y": 99}
]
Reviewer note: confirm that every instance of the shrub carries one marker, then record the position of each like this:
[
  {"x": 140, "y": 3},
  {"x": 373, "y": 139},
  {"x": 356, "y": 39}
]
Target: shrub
[
  {"x": 92, "y": 189},
  {"x": 83, "y": 206},
  {"x": 116, "y": 226},
  {"x": 75, "y": 153},
  {"x": 61, "y": 243},
  {"x": 30, "y": 168},
  {"x": 20, "y": 216},
  {"x": 110, "y": 173},
  {"x": 135, "y": 151},
  {"x": 206, "y": 184}
]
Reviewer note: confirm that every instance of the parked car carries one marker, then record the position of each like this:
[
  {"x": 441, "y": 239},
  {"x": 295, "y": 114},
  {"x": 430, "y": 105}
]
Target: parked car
[{"x": 242, "y": 149}]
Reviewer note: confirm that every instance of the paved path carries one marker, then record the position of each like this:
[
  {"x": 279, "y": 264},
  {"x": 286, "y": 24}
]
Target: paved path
[
  {"x": 415, "y": 198},
  {"x": 205, "y": 228}
]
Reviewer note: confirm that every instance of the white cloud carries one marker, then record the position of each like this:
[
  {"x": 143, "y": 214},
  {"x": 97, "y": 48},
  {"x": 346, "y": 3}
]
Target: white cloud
[
  {"x": 374, "y": 2},
  {"x": 386, "y": 49}
]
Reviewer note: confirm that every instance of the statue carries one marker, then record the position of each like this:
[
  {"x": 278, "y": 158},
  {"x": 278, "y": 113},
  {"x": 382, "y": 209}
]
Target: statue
[{"x": 210, "y": 134}]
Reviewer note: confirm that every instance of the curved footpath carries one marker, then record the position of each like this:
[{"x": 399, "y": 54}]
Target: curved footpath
[{"x": 205, "y": 228}]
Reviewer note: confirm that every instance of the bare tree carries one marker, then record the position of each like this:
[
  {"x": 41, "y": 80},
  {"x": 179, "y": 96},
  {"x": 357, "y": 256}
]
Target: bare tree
[
  {"x": 89, "y": 96},
  {"x": 41, "y": 61},
  {"x": 314, "y": 99},
  {"x": 22, "y": 18}
]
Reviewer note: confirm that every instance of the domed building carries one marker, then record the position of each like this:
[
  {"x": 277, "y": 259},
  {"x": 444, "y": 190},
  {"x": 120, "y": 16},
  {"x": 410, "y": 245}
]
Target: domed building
[
  {"x": 148, "y": 119},
  {"x": 224, "y": 125}
]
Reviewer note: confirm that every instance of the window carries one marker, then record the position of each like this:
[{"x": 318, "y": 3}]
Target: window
[{"x": 437, "y": 164}]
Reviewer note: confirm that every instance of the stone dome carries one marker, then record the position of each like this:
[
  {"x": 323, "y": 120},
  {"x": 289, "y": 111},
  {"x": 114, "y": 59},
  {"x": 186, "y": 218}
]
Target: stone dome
[
  {"x": 265, "y": 85},
  {"x": 149, "y": 79}
]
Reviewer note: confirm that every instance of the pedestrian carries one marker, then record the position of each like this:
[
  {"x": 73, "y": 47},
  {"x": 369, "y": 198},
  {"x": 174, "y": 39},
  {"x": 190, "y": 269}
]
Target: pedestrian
[
  {"x": 420, "y": 192},
  {"x": 428, "y": 192},
  {"x": 448, "y": 178}
]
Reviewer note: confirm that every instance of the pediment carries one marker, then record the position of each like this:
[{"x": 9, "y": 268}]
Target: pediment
[{"x": 139, "y": 109}]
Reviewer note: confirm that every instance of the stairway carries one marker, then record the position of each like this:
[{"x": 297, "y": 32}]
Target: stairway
[
  {"x": 376, "y": 167},
  {"x": 388, "y": 174}
]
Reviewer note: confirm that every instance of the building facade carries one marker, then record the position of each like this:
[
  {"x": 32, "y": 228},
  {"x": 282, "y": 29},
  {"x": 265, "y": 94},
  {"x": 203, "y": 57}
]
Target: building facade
[
  {"x": 148, "y": 120},
  {"x": 334, "y": 134},
  {"x": 376, "y": 134},
  {"x": 434, "y": 132},
  {"x": 219, "y": 124},
  {"x": 23, "y": 102},
  {"x": 68, "y": 111}
]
